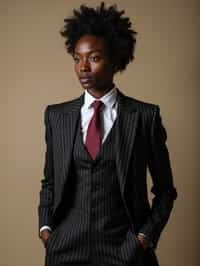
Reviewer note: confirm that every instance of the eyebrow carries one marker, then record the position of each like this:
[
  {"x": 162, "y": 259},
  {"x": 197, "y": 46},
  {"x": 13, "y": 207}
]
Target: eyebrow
[{"x": 92, "y": 51}]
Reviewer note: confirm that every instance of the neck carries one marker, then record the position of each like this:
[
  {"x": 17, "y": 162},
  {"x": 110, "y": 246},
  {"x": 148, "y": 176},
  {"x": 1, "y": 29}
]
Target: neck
[{"x": 100, "y": 93}]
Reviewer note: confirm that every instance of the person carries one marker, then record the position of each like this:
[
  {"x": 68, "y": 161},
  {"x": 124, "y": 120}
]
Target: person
[{"x": 94, "y": 207}]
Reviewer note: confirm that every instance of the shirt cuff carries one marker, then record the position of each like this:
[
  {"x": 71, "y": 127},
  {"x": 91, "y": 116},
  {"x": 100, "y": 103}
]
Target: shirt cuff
[
  {"x": 45, "y": 227},
  {"x": 151, "y": 245}
]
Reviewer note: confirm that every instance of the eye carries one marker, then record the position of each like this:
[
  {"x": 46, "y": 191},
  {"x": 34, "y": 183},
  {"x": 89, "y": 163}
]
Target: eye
[
  {"x": 95, "y": 58},
  {"x": 76, "y": 59}
]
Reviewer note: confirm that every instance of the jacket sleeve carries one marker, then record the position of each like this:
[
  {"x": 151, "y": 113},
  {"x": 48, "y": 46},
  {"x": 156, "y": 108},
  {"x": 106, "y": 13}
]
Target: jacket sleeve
[
  {"x": 47, "y": 182},
  {"x": 161, "y": 173}
]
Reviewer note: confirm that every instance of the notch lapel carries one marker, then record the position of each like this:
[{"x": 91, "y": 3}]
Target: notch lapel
[
  {"x": 67, "y": 131},
  {"x": 125, "y": 136}
]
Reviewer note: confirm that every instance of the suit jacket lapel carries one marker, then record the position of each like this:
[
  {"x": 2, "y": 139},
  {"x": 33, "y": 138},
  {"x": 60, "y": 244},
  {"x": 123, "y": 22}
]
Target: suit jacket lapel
[
  {"x": 125, "y": 136},
  {"x": 67, "y": 130}
]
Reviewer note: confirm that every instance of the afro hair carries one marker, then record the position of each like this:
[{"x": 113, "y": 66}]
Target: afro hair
[{"x": 103, "y": 22}]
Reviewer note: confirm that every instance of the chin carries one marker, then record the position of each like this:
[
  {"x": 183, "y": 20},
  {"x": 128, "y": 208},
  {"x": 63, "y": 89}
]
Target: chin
[{"x": 87, "y": 86}]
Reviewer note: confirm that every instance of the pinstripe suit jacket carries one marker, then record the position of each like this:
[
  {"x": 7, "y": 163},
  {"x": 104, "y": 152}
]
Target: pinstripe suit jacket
[{"x": 141, "y": 143}]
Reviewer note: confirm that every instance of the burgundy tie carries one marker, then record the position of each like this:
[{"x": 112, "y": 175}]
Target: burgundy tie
[{"x": 93, "y": 138}]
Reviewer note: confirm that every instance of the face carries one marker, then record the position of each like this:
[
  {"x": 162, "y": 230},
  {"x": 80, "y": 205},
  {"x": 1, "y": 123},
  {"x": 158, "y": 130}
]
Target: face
[{"x": 92, "y": 64}]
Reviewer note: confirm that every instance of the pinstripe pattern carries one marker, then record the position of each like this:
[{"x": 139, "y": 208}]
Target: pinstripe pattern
[
  {"x": 96, "y": 228},
  {"x": 140, "y": 142}
]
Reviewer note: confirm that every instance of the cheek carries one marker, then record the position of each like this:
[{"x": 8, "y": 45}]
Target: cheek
[{"x": 102, "y": 70}]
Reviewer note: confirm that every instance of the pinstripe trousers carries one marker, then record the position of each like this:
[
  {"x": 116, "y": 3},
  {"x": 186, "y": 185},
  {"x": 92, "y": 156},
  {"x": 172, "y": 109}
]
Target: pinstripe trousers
[{"x": 95, "y": 230}]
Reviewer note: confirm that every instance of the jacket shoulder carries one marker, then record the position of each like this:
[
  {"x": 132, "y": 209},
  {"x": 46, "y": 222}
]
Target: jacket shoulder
[
  {"x": 143, "y": 107},
  {"x": 147, "y": 111},
  {"x": 64, "y": 106}
]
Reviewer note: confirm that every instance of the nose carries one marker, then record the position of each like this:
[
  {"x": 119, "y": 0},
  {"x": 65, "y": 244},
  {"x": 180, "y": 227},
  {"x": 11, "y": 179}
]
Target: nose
[{"x": 85, "y": 66}]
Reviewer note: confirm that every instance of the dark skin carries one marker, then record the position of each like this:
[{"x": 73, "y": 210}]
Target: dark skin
[
  {"x": 95, "y": 71},
  {"x": 91, "y": 60}
]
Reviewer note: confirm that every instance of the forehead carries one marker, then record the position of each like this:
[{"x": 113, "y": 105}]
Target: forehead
[{"x": 90, "y": 43}]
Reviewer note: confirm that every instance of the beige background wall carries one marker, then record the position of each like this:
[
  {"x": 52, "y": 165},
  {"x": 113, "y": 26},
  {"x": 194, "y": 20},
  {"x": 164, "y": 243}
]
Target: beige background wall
[{"x": 35, "y": 71}]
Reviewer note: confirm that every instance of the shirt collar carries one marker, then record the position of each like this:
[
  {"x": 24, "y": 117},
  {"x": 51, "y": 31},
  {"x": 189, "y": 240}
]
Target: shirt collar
[{"x": 108, "y": 99}]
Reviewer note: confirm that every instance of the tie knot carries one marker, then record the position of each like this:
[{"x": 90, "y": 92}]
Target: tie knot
[{"x": 96, "y": 105}]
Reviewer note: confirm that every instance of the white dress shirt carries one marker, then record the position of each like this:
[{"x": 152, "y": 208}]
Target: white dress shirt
[{"x": 108, "y": 112}]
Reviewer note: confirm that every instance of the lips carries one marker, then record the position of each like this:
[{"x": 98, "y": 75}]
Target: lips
[{"x": 85, "y": 80}]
